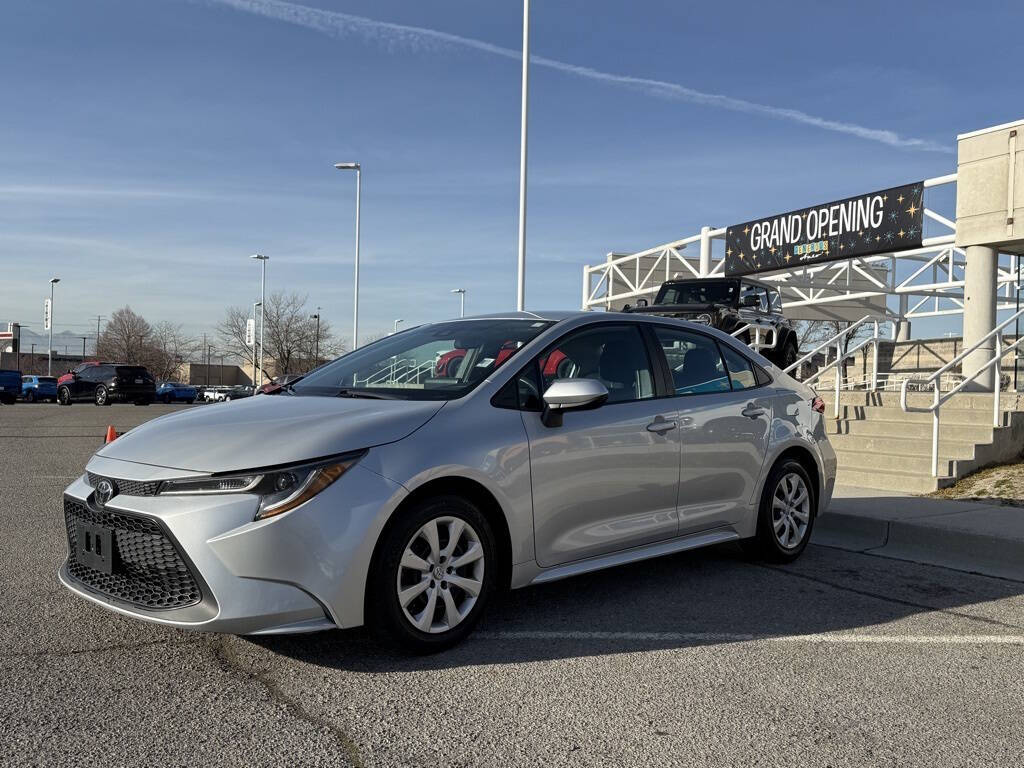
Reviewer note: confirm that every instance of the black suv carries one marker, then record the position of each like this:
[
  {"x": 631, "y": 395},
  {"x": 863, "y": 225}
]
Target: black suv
[
  {"x": 107, "y": 383},
  {"x": 728, "y": 304}
]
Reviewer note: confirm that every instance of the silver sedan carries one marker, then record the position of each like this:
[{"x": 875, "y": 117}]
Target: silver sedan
[{"x": 405, "y": 483}]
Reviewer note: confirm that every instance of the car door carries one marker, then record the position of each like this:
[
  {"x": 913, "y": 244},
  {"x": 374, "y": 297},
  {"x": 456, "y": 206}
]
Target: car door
[
  {"x": 607, "y": 478},
  {"x": 724, "y": 410},
  {"x": 85, "y": 384}
]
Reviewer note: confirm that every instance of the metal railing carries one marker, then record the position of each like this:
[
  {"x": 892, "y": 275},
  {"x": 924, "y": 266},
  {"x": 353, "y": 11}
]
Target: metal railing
[
  {"x": 771, "y": 335},
  {"x": 938, "y": 398},
  {"x": 842, "y": 355}
]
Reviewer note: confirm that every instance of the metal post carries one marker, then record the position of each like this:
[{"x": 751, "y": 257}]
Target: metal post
[
  {"x": 874, "y": 360},
  {"x": 316, "y": 353},
  {"x": 355, "y": 300},
  {"x": 521, "y": 280},
  {"x": 839, "y": 374},
  {"x": 1016, "y": 324},
  {"x": 263, "y": 312},
  {"x": 935, "y": 431},
  {"x": 998, "y": 379},
  {"x": 705, "y": 251},
  {"x": 49, "y": 346},
  {"x": 254, "y": 305}
]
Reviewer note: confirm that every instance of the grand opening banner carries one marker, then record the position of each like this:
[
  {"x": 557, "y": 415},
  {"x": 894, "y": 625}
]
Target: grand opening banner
[{"x": 879, "y": 222}]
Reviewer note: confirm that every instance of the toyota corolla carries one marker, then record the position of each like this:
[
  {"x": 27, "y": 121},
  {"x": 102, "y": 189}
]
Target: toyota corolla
[{"x": 375, "y": 490}]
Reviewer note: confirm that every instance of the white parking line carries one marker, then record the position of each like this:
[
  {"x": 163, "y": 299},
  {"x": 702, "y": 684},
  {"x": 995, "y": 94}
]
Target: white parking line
[{"x": 727, "y": 637}]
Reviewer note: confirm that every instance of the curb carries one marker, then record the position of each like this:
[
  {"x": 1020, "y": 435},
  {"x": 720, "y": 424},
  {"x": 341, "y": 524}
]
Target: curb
[{"x": 945, "y": 547}]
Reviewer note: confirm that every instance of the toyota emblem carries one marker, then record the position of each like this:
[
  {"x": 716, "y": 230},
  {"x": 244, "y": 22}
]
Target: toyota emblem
[{"x": 104, "y": 491}]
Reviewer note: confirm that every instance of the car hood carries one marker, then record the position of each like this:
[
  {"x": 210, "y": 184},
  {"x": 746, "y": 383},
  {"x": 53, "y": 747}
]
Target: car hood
[{"x": 268, "y": 430}]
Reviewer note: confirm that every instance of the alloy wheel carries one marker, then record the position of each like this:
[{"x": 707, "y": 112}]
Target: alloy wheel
[
  {"x": 101, "y": 395},
  {"x": 441, "y": 574},
  {"x": 791, "y": 510}
]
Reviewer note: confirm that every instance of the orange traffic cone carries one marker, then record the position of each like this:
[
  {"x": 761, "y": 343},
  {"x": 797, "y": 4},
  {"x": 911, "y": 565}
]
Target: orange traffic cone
[{"x": 111, "y": 434}]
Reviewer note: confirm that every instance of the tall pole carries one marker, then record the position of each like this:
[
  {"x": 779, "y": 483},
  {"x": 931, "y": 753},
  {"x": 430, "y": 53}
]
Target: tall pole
[
  {"x": 83, "y": 347},
  {"x": 355, "y": 302},
  {"x": 462, "y": 300},
  {"x": 263, "y": 311},
  {"x": 254, "y": 305},
  {"x": 396, "y": 325},
  {"x": 49, "y": 350},
  {"x": 521, "y": 282},
  {"x": 316, "y": 354}
]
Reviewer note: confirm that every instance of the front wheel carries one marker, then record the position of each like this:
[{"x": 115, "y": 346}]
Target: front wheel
[
  {"x": 30, "y": 396},
  {"x": 433, "y": 575},
  {"x": 63, "y": 396},
  {"x": 786, "y": 515},
  {"x": 102, "y": 396},
  {"x": 167, "y": 399},
  {"x": 789, "y": 354}
]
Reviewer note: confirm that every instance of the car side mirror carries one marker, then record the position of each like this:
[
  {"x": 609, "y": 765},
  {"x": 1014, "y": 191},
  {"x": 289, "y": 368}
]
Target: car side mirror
[{"x": 571, "y": 395}]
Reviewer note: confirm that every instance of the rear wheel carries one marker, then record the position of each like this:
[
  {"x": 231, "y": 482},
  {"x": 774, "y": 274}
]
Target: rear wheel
[
  {"x": 30, "y": 396},
  {"x": 789, "y": 354},
  {"x": 786, "y": 516},
  {"x": 433, "y": 575},
  {"x": 167, "y": 399},
  {"x": 102, "y": 396},
  {"x": 63, "y": 396}
]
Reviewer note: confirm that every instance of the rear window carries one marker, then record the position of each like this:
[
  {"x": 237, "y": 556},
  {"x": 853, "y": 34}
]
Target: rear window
[
  {"x": 131, "y": 370},
  {"x": 47, "y": 379}
]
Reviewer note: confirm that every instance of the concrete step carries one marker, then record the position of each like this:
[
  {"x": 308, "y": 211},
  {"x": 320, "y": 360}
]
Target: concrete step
[
  {"x": 953, "y": 416},
  {"x": 1008, "y": 401},
  {"x": 922, "y": 430},
  {"x": 891, "y": 480},
  {"x": 898, "y": 447},
  {"x": 871, "y": 461}
]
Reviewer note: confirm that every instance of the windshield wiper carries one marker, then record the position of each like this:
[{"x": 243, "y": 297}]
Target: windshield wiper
[{"x": 366, "y": 394}]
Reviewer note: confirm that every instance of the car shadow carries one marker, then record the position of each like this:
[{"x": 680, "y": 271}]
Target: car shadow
[{"x": 708, "y": 597}]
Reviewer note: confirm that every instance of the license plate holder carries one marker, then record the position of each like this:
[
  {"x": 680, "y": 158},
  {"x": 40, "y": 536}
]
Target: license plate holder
[{"x": 94, "y": 547}]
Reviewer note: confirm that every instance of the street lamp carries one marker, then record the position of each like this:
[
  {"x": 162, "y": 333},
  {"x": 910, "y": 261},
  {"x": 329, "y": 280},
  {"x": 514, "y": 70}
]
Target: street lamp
[
  {"x": 83, "y": 338},
  {"x": 462, "y": 300},
  {"x": 521, "y": 280},
  {"x": 355, "y": 299},
  {"x": 396, "y": 325},
  {"x": 263, "y": 299},
  {"x": 49, "y": 350},
  {"x": 254, "y": 305},
  {"x": 316, "y": 354}
]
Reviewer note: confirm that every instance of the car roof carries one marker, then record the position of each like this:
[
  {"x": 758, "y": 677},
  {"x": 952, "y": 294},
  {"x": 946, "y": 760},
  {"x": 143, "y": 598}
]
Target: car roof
[{"x": 719, "y": 278}]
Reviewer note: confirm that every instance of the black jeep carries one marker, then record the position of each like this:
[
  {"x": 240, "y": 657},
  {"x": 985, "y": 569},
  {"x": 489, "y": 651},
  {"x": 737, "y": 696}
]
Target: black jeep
[{"x": 728, "y": 304}]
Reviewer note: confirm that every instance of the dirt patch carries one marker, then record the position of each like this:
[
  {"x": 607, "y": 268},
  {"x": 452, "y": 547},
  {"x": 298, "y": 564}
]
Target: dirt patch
[{"x": 1003, "y": 485}]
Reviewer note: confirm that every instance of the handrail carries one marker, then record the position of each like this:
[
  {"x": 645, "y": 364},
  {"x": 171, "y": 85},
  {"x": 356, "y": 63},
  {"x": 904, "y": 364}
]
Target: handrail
[
  {"x": 938, "y": 399},
  {"x": 842, "y": 356},
  {"x": 758, "y": 327}
]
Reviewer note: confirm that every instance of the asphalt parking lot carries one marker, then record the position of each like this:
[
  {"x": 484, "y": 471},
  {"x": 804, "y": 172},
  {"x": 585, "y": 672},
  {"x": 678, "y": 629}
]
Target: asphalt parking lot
[{"x": 842, "y": 659}]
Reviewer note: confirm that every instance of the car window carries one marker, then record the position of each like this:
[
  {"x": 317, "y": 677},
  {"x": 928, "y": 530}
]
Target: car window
[
  {"x": 775, "y": 300},
  {"x": 698, "y": 292},
  {"x": 741, "y": 371},
  {"x": 693, "y": 360},
  {"x": 26, "y": 379},
  {"x": 615, "y": 355}
]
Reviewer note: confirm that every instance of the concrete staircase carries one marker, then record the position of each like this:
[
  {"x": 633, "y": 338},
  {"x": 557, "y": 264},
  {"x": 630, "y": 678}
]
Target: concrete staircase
[{"x": 881, "y": 447}]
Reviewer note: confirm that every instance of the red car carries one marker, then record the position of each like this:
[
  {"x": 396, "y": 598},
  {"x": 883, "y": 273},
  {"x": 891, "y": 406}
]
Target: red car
[{"x": 447, "y": 365}]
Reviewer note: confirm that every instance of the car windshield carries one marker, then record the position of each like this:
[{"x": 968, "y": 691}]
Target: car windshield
[
  {"x": 442, "y": 361},
  {"x": 698, "y": 292}
]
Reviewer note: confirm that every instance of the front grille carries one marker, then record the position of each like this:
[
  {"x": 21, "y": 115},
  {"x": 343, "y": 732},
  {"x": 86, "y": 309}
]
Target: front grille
[
  {"x": 126, "y": 487},
  {"x": 148, "y": 569}
]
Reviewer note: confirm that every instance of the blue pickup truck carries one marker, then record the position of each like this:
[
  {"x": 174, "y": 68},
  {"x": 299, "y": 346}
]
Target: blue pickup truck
[
  {"x": 36, "y": 388},
  {"x": 10, "y": 386}
]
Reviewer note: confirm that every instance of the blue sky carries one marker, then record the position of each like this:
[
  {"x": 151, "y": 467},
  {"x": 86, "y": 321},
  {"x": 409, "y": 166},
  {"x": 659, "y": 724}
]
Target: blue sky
[{"x": 149, "y": 146}]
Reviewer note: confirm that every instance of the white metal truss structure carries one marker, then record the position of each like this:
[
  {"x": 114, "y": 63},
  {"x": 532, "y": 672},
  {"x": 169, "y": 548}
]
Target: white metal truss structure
[{"x": 928, "y": 281}]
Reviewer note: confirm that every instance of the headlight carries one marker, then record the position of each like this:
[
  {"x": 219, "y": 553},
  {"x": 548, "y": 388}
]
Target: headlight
[{"x": 280, "y": 490}]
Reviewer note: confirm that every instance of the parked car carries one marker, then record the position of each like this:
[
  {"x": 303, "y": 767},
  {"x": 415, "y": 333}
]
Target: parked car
[
  {"x": 77, "y": 370},
  {"x": 409, "y": 507},
  {"x": 36, "y": 388},
  {"x": 10, "y": 386},
  {"x": 176, "y": 392},
  {"x": 729, "y": 304},
  {"x": 278, "y": 383},
  {"x": 107, "y": 383}
]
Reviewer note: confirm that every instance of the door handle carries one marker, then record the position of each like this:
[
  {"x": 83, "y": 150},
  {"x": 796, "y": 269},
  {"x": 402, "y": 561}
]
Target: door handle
[
  {"x": 752, "y": 411},
  {"x": 661, "y": 425}
]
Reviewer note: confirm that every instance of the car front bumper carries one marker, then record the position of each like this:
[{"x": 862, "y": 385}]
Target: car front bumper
[{"x": 302, "y": 571}]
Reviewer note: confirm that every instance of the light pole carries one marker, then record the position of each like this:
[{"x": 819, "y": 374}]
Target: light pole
[
  {"x": 396, "y": 325},
  {"x": 521, "y": 282},
  {"x": 254, "y": 305},
  {"x": 263, "y": 301},
  {"x": 83, "y": 347},
  {"x": 462, "y": 300},
  {"x": 355, "y": 300},
  {"x": 49, "y": 350},
  {"x": 316, "y": 354}
]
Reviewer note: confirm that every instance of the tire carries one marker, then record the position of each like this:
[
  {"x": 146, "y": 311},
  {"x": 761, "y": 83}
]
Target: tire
[
  {"x": 102, "y": 396},
  {"x": 454, "y": 609},
  {"x": 30, "y": 396},
  {"x": 789, "y": 354},
  {"x": 143, "y": 402},
  {"x": 782, "y": 531},
  {"x": 63, "y": 396},
  {"x": 192, "y": 401},
  {"x": 166, "y": 399}
]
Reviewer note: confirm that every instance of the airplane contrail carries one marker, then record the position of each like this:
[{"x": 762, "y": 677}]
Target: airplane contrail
[{"x": 424, "y": 39}]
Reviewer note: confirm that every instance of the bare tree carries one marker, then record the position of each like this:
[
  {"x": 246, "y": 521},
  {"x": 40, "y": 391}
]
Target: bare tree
[
  {"x": 169, "y": 347},
  {"x": 290, "y": 337},
  {"x": 125, "y": 338}
]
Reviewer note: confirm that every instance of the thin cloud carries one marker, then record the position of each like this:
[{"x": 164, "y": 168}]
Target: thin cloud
[{"x": 421, "y": 39}]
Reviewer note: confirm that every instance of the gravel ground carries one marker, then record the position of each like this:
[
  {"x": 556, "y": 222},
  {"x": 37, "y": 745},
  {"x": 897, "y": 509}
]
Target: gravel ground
[{"x": 841, "y": 659}]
